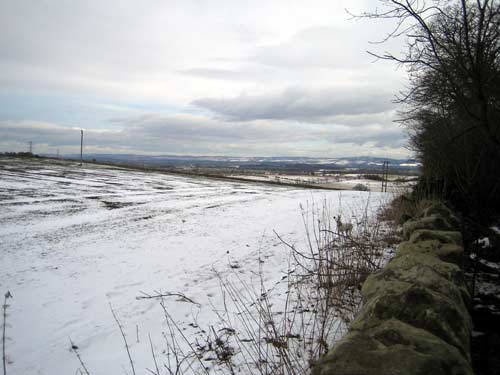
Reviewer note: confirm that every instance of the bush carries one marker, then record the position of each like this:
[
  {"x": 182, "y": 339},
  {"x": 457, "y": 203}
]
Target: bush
[{"x": 361, "y": 187}]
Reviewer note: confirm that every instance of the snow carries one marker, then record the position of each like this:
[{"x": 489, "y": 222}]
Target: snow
[
  {"x": 75, "y": 240},
  {"x": 410, "y": 164},
  {"x": 337, "y": 181},
  {"x": 484, "y": 262},
  {"x": 496, "y": 230},
  {"x": 484, "y": 242}
]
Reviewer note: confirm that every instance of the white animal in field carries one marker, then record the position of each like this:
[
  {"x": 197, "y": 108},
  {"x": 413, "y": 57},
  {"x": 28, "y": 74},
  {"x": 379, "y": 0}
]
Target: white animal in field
[{"x": 343, "y": 228}]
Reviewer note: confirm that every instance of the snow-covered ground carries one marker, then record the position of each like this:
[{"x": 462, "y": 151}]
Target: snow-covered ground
[
  {"x": 340, "y": 181},
  {"x": 74, "y": 240}
]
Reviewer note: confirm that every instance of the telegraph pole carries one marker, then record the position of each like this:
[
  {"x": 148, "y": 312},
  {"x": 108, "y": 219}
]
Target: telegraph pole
[
  {"x": 81, "y": 147},
  {"x": 30, "y": 146},
  {"x": 385, "y": 176}
]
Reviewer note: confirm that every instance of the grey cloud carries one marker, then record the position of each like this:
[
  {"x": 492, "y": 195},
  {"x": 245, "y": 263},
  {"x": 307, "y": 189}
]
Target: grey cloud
[
  {"x": 73, "y": 34},
  {"x": 38, "y": 131},
  {"x": 224, "y": 74},
  {"x": 300, "y": 104},
  {"x": 195, "y": 134},
  {"x": 389, "y": 134},
  {"x": 120, "y": 50},
  {"x": 244, "y": 73},
  {"x": 318, "y": 47},
  {"x": 196, "y": 129},
  {"x": 193, "y": 128},
  {"x": 58, "y": 135},
  {"x": 365, "y": 118}
]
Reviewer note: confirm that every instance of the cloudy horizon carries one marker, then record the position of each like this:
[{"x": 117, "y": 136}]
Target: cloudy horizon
[{"x": 280, "y": 78}]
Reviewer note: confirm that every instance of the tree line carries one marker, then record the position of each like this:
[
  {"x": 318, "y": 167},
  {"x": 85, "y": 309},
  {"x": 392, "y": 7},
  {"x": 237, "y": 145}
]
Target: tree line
[{"x": 451, "y": 108}]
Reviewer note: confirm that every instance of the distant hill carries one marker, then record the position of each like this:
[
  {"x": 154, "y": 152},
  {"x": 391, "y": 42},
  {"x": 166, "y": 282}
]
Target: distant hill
[{"x": 304, "y": 164}]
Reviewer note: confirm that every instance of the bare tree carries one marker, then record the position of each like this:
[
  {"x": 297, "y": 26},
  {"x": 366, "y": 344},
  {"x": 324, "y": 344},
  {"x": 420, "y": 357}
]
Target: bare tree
[{"x": 452, "y": 107}]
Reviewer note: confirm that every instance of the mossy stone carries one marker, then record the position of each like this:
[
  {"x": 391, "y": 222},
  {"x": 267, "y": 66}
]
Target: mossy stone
[
  {"x": 447, "y": 252},
  {"x": 432, "y": 222},
  {"x": 392, "y": 348},
  {"x": 451, "y": 237},
  {"x": 438, "y": 208},
  {"x": 441, "y": 277},
  {"x": 447, "y": 270},
  {"x": 420, "y": 307}
]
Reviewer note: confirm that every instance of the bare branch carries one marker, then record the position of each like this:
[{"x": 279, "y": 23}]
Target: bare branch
[
  {"x": 124, "y": 338},
  {"x": 160, "y": 295}
]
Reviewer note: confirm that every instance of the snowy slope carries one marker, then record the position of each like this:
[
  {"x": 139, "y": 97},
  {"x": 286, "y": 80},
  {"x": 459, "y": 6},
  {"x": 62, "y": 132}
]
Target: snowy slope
[{"x": 75, "y": 239}]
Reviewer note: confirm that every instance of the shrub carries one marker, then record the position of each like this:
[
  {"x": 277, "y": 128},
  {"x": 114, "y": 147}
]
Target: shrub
[{"x": 361, "y": 187}]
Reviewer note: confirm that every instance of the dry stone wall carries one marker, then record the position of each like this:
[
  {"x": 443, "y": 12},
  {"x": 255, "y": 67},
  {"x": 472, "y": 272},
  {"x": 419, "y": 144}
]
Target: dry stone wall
[{"x": 414, "y": 319}]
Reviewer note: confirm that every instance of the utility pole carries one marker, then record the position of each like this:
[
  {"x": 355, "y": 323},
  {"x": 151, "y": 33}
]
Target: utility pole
[
  {"x": 81, "y": 147},
  {"x": 58, "y": 153},
  {"x": 30, "y": 147},
  {"x": 385, "y": 176}
]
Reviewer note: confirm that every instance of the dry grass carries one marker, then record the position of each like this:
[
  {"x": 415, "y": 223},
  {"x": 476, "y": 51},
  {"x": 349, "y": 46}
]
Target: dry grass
[
  {"x": 283, "y": 329},
  {"x": 286, "y": 328},
  {"x": 403, "y": 207},
  {"x": 4, "y": 328}
]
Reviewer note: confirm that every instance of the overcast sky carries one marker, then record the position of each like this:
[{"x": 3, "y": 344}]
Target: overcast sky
[{"x": 199, "y": 77}]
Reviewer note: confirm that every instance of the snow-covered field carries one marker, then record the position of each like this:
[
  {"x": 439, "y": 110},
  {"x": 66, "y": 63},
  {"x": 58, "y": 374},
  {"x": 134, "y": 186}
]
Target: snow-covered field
[
  {"x": 396, "y": 183},
  {"x": 74, "y": 240}
]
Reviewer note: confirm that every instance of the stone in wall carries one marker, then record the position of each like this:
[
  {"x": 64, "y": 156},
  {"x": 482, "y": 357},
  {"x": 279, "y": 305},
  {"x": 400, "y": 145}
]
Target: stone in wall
[
  {"x": 443, "y": 236},
  {"x": 447, "y": 252},
  {"x": 393, "y": 348},
  {"x": 420, "y": 307}
]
